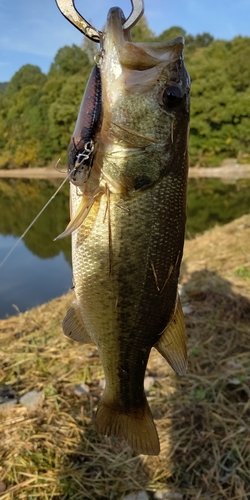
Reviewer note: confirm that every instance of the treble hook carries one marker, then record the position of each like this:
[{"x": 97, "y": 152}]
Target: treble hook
[{"x": 68, "y": 9}]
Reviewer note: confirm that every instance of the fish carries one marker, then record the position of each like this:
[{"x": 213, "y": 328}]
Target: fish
[{"x": 128, "y": 216}]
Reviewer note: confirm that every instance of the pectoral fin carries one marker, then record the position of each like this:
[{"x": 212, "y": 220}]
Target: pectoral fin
[
  {"x": 73, "y": 326},
  {"x": 172, "y": 344},
  {"x": 78, "y": 218}
]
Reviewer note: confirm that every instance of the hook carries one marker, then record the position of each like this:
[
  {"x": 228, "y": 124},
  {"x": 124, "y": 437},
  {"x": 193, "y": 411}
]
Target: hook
[
  {"x": 135, "y": 14},
  {"x": 68, "y": 9}
]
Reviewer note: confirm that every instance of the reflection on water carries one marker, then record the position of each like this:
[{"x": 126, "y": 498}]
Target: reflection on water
[
  {"x": 40, "y": 268},
  {"x": 21, "y": 200},
  {"x": 27, "y": 280},
  {"x": 211, "y": 201}
]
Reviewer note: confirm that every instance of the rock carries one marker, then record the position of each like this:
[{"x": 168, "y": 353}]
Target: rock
[
  {"x": 81, "y": 389},
  {"x": 32, "y": 399},
  {"x": 187, "y": 309},
  {"x": 138, "y": 495},
  {"x": 234, "y": 381},
  {"x": 148, "y": 383},
  {"x": 102, "y": 383},
  {"x": 167, "y": 495}
]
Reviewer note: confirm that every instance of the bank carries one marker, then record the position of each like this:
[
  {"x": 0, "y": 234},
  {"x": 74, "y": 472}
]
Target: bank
[
  {"x": 202, "y": 418},
  {"x": 231, "y": 170}
]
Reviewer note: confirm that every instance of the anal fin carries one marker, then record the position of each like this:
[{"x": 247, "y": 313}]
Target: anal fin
[
  {"x": 172, "y": 344},
  {"x": 73, "y": 326}
]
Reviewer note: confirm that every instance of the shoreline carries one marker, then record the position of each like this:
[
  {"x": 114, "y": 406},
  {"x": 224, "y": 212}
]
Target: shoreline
[
  {"x": 32, "y": 173},
  {"x": 233, "y": 172},
  {"x": 230, "y": 172}
]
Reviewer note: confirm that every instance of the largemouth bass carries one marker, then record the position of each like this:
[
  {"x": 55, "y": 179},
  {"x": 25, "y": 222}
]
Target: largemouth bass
[{"x": 129, "y": 159}]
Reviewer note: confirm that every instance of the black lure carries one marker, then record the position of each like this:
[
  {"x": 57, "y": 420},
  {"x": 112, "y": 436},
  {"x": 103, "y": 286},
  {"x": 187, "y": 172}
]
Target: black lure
[{"x": 81, "y": 149}]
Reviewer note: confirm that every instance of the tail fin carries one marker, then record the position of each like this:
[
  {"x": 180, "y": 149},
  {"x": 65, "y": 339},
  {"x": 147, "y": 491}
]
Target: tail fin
[{"x": 137, "y": 427}]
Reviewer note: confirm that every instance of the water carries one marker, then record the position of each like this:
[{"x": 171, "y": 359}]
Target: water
[
  {"x": 27, "y": 280},
  {"x": 39, "y": 269},
  {"x": 211, "y": 201}
]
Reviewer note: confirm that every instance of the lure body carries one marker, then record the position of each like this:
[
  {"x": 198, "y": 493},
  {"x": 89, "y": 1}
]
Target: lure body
[{"x": 82, "y": 145}]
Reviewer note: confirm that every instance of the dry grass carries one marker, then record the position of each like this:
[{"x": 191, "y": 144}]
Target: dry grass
[{"x": 203, "y": 418}]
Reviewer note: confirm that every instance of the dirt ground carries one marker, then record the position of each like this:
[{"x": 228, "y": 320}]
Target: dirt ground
[{"x": 203, "y": 419}]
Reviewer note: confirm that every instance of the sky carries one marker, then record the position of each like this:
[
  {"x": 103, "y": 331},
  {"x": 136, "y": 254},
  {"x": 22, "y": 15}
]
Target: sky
[{"x": 32, "y": 31}]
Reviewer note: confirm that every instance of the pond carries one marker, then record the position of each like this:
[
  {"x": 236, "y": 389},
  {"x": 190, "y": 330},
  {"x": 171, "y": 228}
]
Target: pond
[
  {"x": 39, "y": 268},
  {"x": 211, "y": 201}
]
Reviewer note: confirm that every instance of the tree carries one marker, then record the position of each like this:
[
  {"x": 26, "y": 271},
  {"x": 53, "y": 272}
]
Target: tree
[
  {"x": 69, "y": 61},
  {"x": 194, "y": 42},
  {"x": 26, "y": 75},
  {"x": 220, "y": 124},
  {"x": 63, "y": 112},
  {"x": 3, "y": 86},
  {"x": 21, "y": 118},
  {"x": 170, "y": 34},
  {"x": 141, "y": 31},
  {"x": 237, "y": 68},
  {"x": 38, "y": 112}
]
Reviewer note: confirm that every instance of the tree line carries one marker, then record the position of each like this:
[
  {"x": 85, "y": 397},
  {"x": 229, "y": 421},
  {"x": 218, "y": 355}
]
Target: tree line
[{"x": 38, "y": 112}]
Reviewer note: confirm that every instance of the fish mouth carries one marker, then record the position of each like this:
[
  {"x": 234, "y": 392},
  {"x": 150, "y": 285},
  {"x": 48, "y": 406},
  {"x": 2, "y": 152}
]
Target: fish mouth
[
  {"x": 137, "y": 55},
  {"x": 114, "y": 31}
]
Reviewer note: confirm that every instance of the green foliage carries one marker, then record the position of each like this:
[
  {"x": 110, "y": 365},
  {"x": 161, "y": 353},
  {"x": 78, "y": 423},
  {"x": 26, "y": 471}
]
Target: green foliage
[
  {"x": 21, "y": 201},
  {"x": 171, "y": 33},
  {"x": 237, "y": 66},
  {"x": 38, "y": 112},
  {"x": 3, "y": 86},
  {"x": 220, "y": 124},
  {"x": 193, "y": 42},
  {"x": 63, "y": 111},
  {"x": 25, "y": 76},
  {"x": 69, "y": 61},
  {"x": 141, "y": 31},
  {"x": 243, "y": 271}
]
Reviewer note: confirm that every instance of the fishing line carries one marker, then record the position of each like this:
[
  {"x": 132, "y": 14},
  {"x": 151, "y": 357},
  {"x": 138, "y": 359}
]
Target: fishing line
[{"x": 35, "y": 219}]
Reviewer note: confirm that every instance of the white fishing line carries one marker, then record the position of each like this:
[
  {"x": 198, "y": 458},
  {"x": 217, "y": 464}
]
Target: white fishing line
[{"x": 34, "y": 220}]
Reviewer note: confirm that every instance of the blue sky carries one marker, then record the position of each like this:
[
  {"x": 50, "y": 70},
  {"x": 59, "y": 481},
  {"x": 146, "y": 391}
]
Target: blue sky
[{"x": 31, "y": 31}]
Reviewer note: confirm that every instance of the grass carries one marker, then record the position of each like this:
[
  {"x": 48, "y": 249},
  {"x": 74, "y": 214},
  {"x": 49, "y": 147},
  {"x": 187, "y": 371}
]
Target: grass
[
  {"x": 243, "y": 271},
  {"x": 203, "y": 419}
]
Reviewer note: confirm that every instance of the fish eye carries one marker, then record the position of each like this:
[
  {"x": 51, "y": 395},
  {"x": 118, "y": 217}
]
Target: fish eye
[{"x": 172, "y": 96}]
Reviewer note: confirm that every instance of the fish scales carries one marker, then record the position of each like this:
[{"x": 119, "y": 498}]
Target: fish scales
[{"x": 128, "y": 224}]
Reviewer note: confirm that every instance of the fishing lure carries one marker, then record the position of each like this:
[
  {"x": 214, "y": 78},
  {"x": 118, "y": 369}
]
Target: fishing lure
[{"x": 81, "y": 149}]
